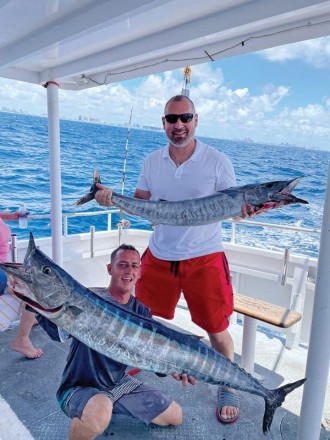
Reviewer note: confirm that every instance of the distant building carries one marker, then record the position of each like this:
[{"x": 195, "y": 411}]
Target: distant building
[{"x": 151, "y": 127}]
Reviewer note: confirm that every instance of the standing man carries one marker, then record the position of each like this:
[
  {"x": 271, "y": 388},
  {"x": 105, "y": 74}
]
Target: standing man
[{"x": 187, "y": 259}]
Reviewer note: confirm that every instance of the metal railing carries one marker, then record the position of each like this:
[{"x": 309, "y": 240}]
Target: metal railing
[
  {"x": 234, "y": 224},
  {"x": 253, "y": 223},
  {"x": 67, "y": 216}
]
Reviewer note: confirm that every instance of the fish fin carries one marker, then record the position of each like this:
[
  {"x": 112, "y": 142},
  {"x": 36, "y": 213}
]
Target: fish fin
[
  {"x": 75, "y": 310},
  {"x": 196, "y": 337},
  {"x": 275, "y": 399},
  {"x": 96, "y": 177},
  {"x": 199, "y": 338}
]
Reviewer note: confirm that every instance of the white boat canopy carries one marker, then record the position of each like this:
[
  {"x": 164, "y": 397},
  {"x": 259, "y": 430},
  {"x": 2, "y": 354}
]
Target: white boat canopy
[{"x": 84, "y": 43}]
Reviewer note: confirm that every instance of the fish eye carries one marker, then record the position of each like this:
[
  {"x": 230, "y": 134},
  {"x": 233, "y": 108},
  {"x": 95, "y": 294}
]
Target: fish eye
[{"x": 46, "y": 270}]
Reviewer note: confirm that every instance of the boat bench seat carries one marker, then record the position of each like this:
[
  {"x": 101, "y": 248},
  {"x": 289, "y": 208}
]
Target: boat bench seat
[
  {"x": 255, "y": 310},
  {"x": 264, "y": 311}
]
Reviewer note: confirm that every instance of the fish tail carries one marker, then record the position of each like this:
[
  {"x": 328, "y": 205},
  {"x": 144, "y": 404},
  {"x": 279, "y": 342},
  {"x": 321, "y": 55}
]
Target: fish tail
[
  {"x": 275, "y": 399},
  {"x": 91, "y": 195},
  {"x": 85, "y": 199}
]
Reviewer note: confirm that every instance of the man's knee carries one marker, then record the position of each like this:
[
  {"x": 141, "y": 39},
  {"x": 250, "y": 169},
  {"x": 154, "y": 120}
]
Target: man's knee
[
  {"x": 99, "y": 411},
  {"x": 96, "y": 415},
  {"x": 171, "y": 416}
]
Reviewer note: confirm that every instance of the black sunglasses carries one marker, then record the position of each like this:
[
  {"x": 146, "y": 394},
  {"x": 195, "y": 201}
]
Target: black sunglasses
[{"x": 185, "y": 118}]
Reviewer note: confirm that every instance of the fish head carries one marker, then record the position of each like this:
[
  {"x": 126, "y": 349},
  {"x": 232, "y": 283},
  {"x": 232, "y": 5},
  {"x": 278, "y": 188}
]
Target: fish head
[
  {"x": 38, "y": 281},
  {"x": 280, "y": 191},
  {"x": 272, "y": 195}
]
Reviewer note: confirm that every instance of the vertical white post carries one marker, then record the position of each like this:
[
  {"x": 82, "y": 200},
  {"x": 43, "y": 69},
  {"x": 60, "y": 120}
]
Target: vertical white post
[
  {"x": 55, "y": 171},
  {"x": 298, "y": 294},
  {"x": 92, "y": 242},
  {"x": 318, "y": 360},
  {"x": 249, "y": 344}
]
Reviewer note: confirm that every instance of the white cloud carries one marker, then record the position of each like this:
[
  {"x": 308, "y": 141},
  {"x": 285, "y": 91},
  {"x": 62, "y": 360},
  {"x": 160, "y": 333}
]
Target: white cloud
[
  {"x": 16, "y": 94},
  {"x": 314, "y": 52},
  {"x": 305, "y": 125},
  {"x": 238, "y": 106},
  {"x": 241, "y": 93}
]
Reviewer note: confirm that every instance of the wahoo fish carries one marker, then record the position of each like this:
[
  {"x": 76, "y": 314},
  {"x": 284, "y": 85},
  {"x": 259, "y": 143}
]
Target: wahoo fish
[
  {"x": 204, "y": 210},
  {"x": 125, "y": 336}
]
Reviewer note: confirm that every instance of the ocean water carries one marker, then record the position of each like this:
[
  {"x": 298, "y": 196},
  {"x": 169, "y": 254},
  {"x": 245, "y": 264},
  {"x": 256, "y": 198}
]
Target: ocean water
[{"x": 24, "y": 176}]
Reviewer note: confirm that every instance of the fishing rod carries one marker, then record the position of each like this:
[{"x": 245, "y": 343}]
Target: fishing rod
[
  {"x": 122, "y": 222},
  {"x": 126, "y": 153}
]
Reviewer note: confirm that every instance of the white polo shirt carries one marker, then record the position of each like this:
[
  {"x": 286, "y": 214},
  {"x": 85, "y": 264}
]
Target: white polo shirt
[{"x": 204, "y": 173}]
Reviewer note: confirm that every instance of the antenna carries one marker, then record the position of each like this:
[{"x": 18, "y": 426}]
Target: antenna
[{"x": 186, "y": 80}]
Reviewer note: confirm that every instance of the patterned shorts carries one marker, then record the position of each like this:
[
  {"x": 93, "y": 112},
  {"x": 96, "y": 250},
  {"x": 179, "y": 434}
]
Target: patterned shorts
[{"x": 144, "y": 402}]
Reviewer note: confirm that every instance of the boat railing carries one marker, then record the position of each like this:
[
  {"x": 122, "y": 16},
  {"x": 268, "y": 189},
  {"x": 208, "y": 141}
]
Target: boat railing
[
  {"x": 67, "y": 216},
  {"x": 282, "y": 273},
  {"x": 234, "y": 224},
  {"x": 253, "y": 223}
]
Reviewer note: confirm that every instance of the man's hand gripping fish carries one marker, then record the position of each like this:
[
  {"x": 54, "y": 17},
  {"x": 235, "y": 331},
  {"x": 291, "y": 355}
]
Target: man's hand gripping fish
[
  {"x": 204, "y": 210},
  {"x": 127, "y": 337}
]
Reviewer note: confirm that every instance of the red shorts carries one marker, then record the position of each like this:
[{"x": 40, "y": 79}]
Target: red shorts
[{"x": 204, "y": 282}]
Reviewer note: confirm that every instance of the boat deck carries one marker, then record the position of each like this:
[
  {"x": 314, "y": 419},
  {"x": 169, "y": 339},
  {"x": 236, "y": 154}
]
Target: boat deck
[{"x": 29, "y": 410}]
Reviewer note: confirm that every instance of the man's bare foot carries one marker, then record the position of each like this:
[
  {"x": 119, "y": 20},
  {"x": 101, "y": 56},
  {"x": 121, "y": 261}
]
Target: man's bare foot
[{"x": 27, "y": 349}]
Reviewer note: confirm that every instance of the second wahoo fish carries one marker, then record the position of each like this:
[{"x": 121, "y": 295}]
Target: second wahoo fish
[{"x": 205, "y": 210}]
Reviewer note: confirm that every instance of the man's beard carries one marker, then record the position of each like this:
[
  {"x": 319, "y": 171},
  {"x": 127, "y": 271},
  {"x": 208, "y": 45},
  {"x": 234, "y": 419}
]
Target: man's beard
[{"x": 180, "y": 142}]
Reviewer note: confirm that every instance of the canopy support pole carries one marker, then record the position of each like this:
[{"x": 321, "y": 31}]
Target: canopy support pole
[
  {"x": 318, "y": 360},
  {"x": 55, "y": 171}
]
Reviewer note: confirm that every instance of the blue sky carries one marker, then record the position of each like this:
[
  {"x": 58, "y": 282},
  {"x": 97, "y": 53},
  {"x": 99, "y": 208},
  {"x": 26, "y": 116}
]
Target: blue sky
[{"x": 280, "y": 95}]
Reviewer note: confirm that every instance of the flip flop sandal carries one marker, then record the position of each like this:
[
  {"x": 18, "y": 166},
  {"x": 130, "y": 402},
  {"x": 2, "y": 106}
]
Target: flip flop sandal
[{"x": 226, "y": 398}]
